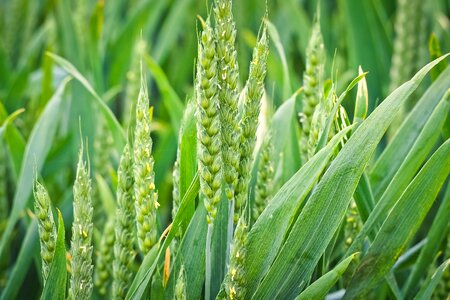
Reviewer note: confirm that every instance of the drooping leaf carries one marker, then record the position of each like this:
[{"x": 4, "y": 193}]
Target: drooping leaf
[
  {"x": 36, "y": 151},
  {"x": 113, "y": 124}
]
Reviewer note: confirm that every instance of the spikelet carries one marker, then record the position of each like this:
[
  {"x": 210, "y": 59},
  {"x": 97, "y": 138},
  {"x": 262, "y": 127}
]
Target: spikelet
[
  {"x": 249, "y": 121},
  {"x": 105, "y": 255},
  {"x": 176, "y": 201},
  {"x": 312, "y": 84},
  {"x": 406, "y": 43},
  {"x": 3, "y": 183},
  {"x": 208, "y": 123},
  {"x": 320, "y": 116},
  {"x": 234, "y": 282},
  {"x": 46, "y": 225},
  {"x": 180, "y": 286},
  {"x": 133, "y": 84},
  {"x": 103, "y": 144},
  {"x": 264, "y": 180},
  {"x": 125, "y": 215},
  {"x": 81, "y": 283},
  {"x": 353, "y": 224},
  {"x": 228, "y": 77},
  {"x": 146, "y": 197}
]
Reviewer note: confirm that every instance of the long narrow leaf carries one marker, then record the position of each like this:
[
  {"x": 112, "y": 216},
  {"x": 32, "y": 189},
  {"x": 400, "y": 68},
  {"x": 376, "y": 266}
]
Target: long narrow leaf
[
  {"x": 36, "y": 151},
  {"x": 402, "y": 223},
  {"x": 267, "y": 234},
  {"x": 320, "y": 288},
  {"x": 320, "y": 218}
]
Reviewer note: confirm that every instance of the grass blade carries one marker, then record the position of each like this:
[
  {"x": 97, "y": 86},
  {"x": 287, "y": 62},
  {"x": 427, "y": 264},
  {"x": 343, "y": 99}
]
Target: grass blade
[
  {"x": 320, "y": 217},
  {"x": 320, "y": 288},
  {"x": 392, "y": 157},
  {"x": 434, "y": 239},
  {"x": 29, "y": 246},
  {"x": 402, "y": 223},
  {"x": 36, "y": 151},
  {"x": 267, "y": 234},
  {"x": 430, "y": 285},
  {"x": 113, "y": 124}
]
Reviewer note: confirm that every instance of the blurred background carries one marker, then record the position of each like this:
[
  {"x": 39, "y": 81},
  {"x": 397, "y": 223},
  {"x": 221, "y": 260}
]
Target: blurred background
[{"x": 104, "y": 41}]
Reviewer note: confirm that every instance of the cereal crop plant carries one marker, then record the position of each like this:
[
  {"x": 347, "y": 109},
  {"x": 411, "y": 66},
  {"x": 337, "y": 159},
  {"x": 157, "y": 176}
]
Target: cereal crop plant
[{"x": 287, "y": 173}]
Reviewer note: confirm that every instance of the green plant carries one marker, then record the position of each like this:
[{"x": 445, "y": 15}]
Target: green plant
[
  {"x": 146, "y": 197},
  {"x": 47, "y": 227},
  {"x": 251, "y": 203},
  {"x": 125, "y": 231},
  {"x": 81, "y": 281}
]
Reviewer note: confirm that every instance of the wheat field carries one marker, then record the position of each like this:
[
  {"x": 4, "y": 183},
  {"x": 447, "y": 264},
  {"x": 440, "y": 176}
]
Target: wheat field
[{"x": 224, "y": 149}]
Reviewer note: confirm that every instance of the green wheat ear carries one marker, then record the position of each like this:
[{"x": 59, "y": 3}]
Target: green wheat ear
[
  {"x": 133, "y": 85},
  {"x": 46, "y": 225},
  {"x": 81, "y": 283},
  {"x": 319, "y": 119},
  {"x": 265, "y": 178},
  {"x": 249, "y": 121},
  {"x": 312, "y": 84},
  {"x": 103, "y": 266},
  {"x": 234, "y": 282},
  {"x": 228, "y": 78},
  {"x": 146, "y": 197},
  {"x": 180, "y": 286},
  {"x": 125, "y": 215},
  {"x": 208, "y": 122}
]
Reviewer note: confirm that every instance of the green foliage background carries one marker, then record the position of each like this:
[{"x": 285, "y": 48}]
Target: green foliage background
[{"x": 100, "y": 39}]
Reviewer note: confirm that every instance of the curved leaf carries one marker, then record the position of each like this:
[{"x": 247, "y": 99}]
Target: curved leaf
[{"x": 36, "y": 151}]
